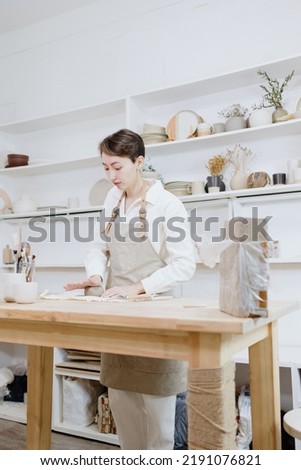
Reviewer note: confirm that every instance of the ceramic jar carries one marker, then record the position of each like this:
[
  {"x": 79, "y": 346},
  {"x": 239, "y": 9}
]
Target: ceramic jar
[
  {"x": 260, "y": 117},
  {"x": 215, "y": 181},
  {"x": 24, "y": 204},
  {"x": 278, "y": 113},
  {"x": 204, "y": 129},
  {"x": 235, "y": 123},
  {"x": 239, "y": 180}
]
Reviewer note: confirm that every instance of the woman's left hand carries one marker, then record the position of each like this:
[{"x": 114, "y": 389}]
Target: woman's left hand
[{"x": 123, "y": 291}]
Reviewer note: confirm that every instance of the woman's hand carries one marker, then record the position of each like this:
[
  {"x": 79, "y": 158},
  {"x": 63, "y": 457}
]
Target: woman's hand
[
  {"x": 92, "y": 281},
  {"x": 123, "y": 291}
]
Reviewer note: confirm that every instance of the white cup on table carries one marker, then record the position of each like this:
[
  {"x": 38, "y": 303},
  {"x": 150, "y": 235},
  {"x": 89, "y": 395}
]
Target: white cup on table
[
  {"x": 26, "y": 292},
  {"x": 9, "y": 281}
]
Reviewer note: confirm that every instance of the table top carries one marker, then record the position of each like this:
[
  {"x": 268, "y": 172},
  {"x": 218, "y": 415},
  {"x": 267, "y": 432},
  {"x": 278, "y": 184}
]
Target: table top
[{"x": 184, "y": 314}]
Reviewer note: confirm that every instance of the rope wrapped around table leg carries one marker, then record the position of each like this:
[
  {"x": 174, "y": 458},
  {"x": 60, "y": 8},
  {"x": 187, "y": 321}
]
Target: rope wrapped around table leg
[{"x": 211, "y": 408}]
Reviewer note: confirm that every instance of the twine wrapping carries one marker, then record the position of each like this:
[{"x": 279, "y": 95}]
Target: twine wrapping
[{"x": 211, "y": 408}]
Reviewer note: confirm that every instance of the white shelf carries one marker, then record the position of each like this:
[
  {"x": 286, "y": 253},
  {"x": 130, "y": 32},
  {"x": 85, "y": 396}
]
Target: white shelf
[
  {"x": 291, "y": 190},
  {"x": 295, "y": 260},
  {"x": 89, "y": 432},
  {"x": 134, "y": 110},
  {"x": 51, "y": 167},
  {"x": 280, "y": 129},
  {"x": 17, "y": 412},
  {"x": 277, "y": 192},
  {"x": 49, "y": 266},
  {"x": 216, "y": 84},
  {"x": 80, "y": 374},
  {"x": 13, "y": 411},
  {"x": 168, "y": 148},
  {"x": 272, "y": 261},
  {"x": 52, "y": 212},
  {"x": 87, "y": 113}
]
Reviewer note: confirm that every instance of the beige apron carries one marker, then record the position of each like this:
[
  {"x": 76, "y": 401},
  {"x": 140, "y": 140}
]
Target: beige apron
[{"x": 131, "y": 261}]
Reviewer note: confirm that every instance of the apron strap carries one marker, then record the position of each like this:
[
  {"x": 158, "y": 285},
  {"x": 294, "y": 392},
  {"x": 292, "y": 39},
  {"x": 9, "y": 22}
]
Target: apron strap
[
  {"x": 114, "y": 215},
  {"x": 142, "y": 210}
]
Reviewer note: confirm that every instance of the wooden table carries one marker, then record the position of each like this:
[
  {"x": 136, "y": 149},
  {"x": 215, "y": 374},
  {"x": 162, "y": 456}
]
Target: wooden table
[{"x": 185, "y": 329}]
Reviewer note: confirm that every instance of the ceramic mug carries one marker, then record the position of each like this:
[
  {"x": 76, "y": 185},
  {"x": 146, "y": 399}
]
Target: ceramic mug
[
  {"x": 279, "y": 178},
  {"x": 26, "y": 292},
  {"x": 9, "y": 281},
  {"x": 297, "y": 175},
  {"x": 73, "y": 202},
  {"x": 204, "y": 129},
  {"x": 218, "y": 127},
  {"x": 197, "y": 187},
  {"x": 291, "y": 165}
]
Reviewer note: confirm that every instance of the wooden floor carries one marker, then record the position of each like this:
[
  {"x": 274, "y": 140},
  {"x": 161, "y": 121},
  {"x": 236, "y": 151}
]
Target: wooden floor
[{"x": 13, "y": 437}]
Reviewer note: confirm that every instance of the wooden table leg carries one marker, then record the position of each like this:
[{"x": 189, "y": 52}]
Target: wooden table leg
[
  {"x": 265, "y": 392},
  {"x": 39, "y": 398},
  {"x": 211, "y": 395}
]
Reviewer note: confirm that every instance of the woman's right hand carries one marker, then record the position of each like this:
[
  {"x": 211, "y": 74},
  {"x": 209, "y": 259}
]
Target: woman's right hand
[{"x": 92, "y": 281}]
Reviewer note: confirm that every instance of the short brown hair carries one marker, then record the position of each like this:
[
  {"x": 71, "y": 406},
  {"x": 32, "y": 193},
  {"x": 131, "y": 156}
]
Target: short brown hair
[{"x": 123, "y": 143}]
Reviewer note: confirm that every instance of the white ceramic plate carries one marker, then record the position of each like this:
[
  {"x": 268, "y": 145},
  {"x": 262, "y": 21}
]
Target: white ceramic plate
[{"x": 99, "y": 191}]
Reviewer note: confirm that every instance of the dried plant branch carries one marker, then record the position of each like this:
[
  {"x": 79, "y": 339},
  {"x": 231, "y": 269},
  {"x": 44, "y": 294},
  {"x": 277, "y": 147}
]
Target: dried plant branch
[
  {"x": 239, "y": 157},
  {"x": 233, "y": 110},
  {"x": 217, "y": 164}
]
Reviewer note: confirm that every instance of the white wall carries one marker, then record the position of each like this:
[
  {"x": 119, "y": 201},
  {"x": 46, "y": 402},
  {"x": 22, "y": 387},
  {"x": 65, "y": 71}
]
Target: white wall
[
  {"x": 114, "y": 48},
  {"x": 110, "y": 49}
]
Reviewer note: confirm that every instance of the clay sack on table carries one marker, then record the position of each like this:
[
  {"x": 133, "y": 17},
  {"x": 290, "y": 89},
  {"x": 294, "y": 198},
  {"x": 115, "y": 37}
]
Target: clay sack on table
[{"x": 244, "y": 280}]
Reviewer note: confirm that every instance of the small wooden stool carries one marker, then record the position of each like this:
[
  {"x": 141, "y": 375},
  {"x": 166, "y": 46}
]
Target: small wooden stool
[{"x": 292, "y": 423}]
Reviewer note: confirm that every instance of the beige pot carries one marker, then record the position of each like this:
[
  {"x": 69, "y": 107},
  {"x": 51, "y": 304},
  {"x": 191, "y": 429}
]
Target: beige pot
[
  {"x": 260, "y": 117},
  {"x": 278, "y": 113},
  {"x": 235, "y": 123},
  {"x": 239, "y": 180}
]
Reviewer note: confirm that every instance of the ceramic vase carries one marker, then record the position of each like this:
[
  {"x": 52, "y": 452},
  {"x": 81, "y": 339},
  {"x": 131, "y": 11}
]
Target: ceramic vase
[
  {"x": 239, "y": 180},
  {"x": 260, "y": 117},
  {"x": 215, "y": 181},
  {"x": 278, "y": 113},
  {"x": 235, "y": 123}
]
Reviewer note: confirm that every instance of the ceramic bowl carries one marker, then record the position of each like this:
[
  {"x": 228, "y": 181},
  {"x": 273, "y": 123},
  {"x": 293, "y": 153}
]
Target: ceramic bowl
[
  {"x": 153, "y": 138},
  {"x": 147, "y": 128},
  {"x": 15, "y": 159},
  {"x": 25, "y": 204}
]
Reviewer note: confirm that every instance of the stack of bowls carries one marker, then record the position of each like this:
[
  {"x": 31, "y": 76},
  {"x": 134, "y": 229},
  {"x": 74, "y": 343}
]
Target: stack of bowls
[
  {"x": 24, "y": 204},
  {"x": 179, "y": 188},
  {"x": 153, "y": 134}
]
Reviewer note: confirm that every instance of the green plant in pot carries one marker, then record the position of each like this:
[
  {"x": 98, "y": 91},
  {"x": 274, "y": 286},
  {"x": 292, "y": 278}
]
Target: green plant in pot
[
  {"x": 273, "y": 94},
  {"x": 235, "y": 115}
]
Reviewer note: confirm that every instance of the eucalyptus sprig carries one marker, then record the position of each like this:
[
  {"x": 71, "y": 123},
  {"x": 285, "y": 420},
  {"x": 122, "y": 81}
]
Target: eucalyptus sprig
[{"x": 273, "y": 90}]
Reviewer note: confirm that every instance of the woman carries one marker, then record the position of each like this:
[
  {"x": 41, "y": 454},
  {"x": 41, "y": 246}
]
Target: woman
[{"x": 147, "y": 241}]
